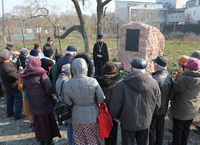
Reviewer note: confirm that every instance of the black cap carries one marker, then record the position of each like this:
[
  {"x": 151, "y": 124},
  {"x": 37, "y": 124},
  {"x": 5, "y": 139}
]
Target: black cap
[
  {"x": 139, "y": 63},
  {"x": 49, "y": 39},
  {"x": 161, "y": 60}
]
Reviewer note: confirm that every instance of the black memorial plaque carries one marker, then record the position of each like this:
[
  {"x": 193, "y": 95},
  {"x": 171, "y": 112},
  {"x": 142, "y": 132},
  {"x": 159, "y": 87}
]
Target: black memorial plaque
[{"x": 132, "y": 39}]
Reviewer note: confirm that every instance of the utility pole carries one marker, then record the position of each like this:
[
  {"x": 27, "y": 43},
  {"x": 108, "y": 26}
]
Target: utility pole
[{"x": 3, "y": 23}]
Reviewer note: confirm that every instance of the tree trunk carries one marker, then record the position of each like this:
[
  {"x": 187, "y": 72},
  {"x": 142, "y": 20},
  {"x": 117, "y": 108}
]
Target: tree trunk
[
  {"x": 100, "y": 13},
  {"x": 80, "y": 28}
]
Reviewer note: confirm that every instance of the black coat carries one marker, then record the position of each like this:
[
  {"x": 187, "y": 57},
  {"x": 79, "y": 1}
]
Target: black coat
[
  {"x": 166, "y": 84},
  {"x": 9, "y": 75},
  {"x": 107, "y": 84},
  {"x": 100, "y": 48},
  {"x": 64, "y": 60},
  {"x": 53, "y": 47}
]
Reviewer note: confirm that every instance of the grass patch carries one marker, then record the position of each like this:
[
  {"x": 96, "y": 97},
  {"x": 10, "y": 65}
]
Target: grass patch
[{"x": 173, "y": 48}]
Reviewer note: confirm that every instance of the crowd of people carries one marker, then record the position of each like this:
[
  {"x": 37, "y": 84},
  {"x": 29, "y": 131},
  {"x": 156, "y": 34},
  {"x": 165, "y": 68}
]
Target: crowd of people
[{"x": 139, "y": 102}]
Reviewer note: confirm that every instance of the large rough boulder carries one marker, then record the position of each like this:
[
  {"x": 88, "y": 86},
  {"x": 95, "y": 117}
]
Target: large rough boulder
[{"x": 151, "y": 45}]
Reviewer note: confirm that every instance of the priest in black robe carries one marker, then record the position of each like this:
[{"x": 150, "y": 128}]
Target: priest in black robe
[{"x": 100, "y": 55}]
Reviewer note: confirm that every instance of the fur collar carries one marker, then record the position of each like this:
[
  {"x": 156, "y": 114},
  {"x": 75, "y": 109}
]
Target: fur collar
[
  {"x": 107, "y": 81},
  {"x": 29, "y": 72}
]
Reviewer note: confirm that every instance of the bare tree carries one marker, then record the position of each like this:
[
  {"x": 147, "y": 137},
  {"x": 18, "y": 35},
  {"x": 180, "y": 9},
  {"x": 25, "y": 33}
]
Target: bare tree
[
  {"x": 80, "y": 28},
  {"x": 100, "y": 14},
  {"x": 44, "y": 12}
]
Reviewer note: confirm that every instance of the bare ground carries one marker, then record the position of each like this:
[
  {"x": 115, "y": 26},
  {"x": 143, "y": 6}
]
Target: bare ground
[{"x": 18, "y": 132}]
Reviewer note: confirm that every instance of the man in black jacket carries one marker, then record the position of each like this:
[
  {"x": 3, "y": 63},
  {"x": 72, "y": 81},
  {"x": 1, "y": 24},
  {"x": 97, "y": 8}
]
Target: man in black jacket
[
  {"x": 165, "y": 83},
  {"x": 9, "y": 75},
  {"x": 134, "y": 101},
  {"x": 71, "y": 51},
  {"x": 50, "y": 45}
]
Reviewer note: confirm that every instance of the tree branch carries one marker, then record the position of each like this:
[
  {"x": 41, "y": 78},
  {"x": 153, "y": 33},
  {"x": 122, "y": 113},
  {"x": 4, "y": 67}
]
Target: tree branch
[
  {"x": 68, "y": 31},
  {"x": 79, "y": 13},
  {"x": 106, "y": 2}
]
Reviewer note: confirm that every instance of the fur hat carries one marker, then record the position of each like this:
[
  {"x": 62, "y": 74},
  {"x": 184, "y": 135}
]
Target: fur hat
[
  {"x": 110, "y": 68},
  {"x": 4, "y": 55},
  {"x": 193, "y": 63},
  {"x": 66, "y": 69},
  {"x": 183, "y": 59}
]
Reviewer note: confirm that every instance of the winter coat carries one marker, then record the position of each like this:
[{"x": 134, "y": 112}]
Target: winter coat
[
  {"x": 84, "y": 93},
  {"x": 60, "y": 85},
  {"x": 134, "y": 101},
  {"x": 39, "y": 89},
  {"x": 64, "y": 60},
  {"x": 53, "y": 47},
  {"x": 166, "y": 84},
  {"x": 107, "y": 84},
  {"x": 186, "y": 103},
  {"x": 9, "y": 75}
]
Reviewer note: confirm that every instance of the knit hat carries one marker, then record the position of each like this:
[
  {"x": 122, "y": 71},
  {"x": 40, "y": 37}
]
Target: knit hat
[
  {"x": 66, "y": 69},
  {"x": 71, "y": 48},
  {"x": 139, "y": 63},
  {"x": 110, "y": 68},
  {"x": 183, "y": 59},
  {"x": 161, "y": 60},
  {"x": 23, "y": 52},
  {"x": 4, "y": 55},
  {"x": 10, "y": 44},
  {"x": 34, "y": 52},
  {"x": 195, "y": 54},
  {"x": 48, "y": 52},
  {"x": 193, "y": 64}
]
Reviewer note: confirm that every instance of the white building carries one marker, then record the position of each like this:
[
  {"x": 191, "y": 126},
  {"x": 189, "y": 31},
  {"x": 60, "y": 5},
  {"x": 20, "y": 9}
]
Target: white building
[
  {"x": 175, "y": 16},
  {"x": 192, "y": 15}
]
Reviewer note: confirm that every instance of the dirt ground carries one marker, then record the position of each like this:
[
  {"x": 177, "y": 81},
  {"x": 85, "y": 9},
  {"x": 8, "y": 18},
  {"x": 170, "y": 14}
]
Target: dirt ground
[{"x": 18, "y": 132}]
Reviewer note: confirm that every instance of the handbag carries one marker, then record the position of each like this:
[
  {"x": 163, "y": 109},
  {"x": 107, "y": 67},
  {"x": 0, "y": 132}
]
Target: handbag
[
  {"x": 62, "y": 110},
  {"x": 105, "y": 120}
]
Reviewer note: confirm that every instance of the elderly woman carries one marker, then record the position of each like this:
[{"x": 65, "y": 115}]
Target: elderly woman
[
  {"x": 83, "y": 93},
  {"x": 39, "y": 89},
  {"x": 186, "y": 103}
]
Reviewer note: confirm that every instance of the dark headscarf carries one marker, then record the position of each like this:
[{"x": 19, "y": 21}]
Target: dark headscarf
[
  {"x": 33, "y": 62},
  {"x": 88, "y": 61}
]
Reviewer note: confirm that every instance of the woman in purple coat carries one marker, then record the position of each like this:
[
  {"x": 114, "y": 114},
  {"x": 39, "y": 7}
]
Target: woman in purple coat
[{"x": 39, "y": 88}]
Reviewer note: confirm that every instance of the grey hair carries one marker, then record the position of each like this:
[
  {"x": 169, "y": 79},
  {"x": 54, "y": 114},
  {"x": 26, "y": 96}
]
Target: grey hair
[
  {"x": 138, "y": 70},
  {"x": 70, "y": 52},
  {"x": 161, "y": 68}
]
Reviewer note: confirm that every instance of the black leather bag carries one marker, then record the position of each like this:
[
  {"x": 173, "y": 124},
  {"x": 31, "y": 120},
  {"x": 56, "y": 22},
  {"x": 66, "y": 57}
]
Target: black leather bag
[{"x": 63, "y": 111}]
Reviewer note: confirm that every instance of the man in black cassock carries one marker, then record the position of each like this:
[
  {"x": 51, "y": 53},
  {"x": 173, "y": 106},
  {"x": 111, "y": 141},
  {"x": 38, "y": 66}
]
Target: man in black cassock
[{"x": 100, "y": 55}]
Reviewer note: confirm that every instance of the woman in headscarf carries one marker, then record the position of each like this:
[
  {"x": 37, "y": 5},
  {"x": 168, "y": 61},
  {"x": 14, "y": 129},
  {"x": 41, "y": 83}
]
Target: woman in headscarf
[
  {"x": 83, "y": 93},
  {"x": 39, "y": 89}
]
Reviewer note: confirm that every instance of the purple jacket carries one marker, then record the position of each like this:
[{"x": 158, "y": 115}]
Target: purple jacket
[{"x": 38, "y": 87}]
